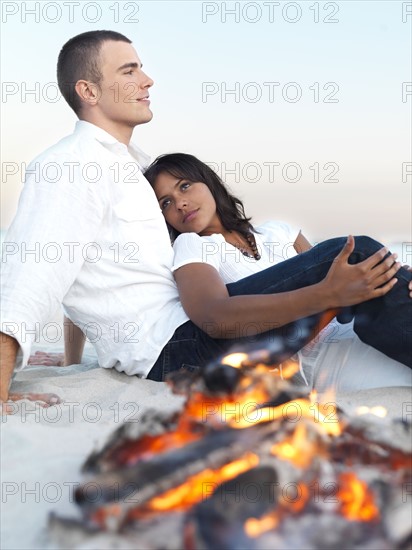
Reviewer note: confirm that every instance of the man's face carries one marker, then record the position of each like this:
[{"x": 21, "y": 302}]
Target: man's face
[{"x": 124, "y": 86}]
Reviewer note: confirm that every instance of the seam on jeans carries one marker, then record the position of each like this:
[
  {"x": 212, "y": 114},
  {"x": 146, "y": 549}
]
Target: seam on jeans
[
  {"x": 178, "y": 341},
  {"x": 166, "y": 363},
  {"x": 305, "y": 271}
]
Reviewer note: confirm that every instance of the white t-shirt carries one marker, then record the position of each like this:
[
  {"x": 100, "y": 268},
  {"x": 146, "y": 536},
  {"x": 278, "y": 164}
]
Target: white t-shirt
[
  {"x": 274, "y": 242},
  {"x": 89, "y": 233}
]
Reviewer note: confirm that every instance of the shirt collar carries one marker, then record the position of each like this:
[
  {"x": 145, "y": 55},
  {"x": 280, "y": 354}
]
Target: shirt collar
[{"x": 108, "y": 140}]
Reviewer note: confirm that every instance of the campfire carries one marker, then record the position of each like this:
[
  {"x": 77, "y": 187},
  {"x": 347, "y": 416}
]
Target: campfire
[{"x": 250, "y": 462}]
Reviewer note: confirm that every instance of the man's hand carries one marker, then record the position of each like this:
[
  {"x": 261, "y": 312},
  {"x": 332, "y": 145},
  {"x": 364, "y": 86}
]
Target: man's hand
[
  {"x": 350, "y": 284},
  {"x": 44, "y": 400},
  {"x": 47, "y": 359},
  {"x": 9, "y": 347}
]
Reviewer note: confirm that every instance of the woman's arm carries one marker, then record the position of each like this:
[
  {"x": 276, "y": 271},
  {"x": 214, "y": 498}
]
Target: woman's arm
[
  {"x": 207, "y": 303},
  {"x": 74, "y": 341}
]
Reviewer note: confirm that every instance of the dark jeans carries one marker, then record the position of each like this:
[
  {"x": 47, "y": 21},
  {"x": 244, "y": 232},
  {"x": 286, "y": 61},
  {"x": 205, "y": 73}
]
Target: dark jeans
[{"x": 384, "y": 323}]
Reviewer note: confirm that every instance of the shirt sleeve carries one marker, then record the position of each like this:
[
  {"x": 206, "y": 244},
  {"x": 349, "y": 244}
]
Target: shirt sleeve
[
  {"x": 42, "y": 251},
  {"x": 278, "y": 237},
  {"x": 190, "y": 248}
]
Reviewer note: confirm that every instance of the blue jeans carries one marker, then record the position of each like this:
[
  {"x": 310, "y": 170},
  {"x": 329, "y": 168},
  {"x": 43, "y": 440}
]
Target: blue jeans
[{"x": 384, "y": 323}]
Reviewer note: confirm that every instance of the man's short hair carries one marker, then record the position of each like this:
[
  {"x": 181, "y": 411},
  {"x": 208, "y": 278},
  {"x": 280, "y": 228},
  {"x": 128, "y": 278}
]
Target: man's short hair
[{"x": 79, "y": 59}]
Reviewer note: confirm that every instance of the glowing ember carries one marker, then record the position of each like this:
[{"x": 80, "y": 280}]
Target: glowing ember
[
  {"x": 296, "y": 502},
  {"x": 255, "y": 527},
  {"x": 199, "y": 487}
]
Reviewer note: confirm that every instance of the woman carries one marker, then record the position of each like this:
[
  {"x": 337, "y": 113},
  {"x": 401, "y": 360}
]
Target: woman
[
  {"x": 240, "y": 286},
  {"x": 222, "y": 264}
]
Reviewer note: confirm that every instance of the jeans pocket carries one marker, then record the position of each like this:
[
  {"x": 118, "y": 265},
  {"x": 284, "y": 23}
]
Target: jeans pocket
[{"x": 190, "y": 368}]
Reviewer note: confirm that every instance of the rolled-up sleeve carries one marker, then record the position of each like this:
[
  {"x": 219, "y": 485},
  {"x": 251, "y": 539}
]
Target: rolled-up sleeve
[{"x": 189, "y": 248}]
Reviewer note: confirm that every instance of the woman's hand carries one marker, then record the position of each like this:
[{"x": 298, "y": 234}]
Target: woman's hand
[
  {"x": 47, "y": 359},
  {"x": 349, "y": 284}
]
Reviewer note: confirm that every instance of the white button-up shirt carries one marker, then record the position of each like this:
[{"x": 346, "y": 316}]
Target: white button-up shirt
[{"x": 89, "y": 234}]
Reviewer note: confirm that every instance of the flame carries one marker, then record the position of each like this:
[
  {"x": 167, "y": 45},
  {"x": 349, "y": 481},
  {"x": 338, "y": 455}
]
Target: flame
[
  {"x": 215, "y": 411},
  {"x": 286, "y": 369},
  {"x": 292, "y": 411},
  {"x": 356, "y": 499},
  {"x": 298, "y": 448},
  {"x": 235, "y": 359},
  {"x": 201, "y": 485}
]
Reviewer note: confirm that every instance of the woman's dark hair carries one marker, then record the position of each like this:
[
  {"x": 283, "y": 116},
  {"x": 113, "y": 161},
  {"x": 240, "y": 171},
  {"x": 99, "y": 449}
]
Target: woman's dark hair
[
  {"x": 79, "y": 59},
  {"x": 229, "y": 208}
]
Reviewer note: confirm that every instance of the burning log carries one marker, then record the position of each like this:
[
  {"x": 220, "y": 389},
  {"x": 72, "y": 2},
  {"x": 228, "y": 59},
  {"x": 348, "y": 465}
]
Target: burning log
[
  {"x": 218, "y": 522},
  {"x": 184, "y": 480},
  {"x": 129, "y": 441},
  {"x": 166, "y": 470}
]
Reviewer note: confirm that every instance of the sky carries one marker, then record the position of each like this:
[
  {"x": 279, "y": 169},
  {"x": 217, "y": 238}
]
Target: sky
[{"x": 303, "y": 108}]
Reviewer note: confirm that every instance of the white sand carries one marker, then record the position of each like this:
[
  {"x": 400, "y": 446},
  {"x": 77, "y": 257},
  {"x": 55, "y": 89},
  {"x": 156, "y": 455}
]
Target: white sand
[{"x": 43, "y": 449}]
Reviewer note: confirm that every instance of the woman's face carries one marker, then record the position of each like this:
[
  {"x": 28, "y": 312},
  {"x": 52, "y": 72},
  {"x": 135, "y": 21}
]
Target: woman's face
[{"x": 189, "y": 207}]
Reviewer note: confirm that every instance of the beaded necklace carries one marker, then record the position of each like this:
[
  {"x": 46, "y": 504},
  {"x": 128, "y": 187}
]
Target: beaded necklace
[{"x": 252, "y": 243}]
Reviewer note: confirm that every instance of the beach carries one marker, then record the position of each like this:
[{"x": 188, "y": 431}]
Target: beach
[{"x": 43, "y": 449}]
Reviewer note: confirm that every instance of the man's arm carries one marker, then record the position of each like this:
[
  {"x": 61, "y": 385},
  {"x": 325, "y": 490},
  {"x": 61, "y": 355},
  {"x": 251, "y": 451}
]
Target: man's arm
[
  {"x": 74, "y": 341},
  {"x": 8, "y": 353}
]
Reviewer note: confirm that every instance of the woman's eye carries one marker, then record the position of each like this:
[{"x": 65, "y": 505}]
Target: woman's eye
[
  {"x": 184, "y": 186},
  {"x": 165, "y": 204}
]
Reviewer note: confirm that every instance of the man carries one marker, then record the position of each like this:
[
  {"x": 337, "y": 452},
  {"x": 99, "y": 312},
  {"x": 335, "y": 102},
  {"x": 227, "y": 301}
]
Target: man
[
  {"x": 97, "y": 242},
  {"x": 98, "y": 217}
]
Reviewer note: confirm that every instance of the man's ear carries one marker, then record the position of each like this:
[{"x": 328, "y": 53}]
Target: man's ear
[{"x": 89, "y": 92}]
